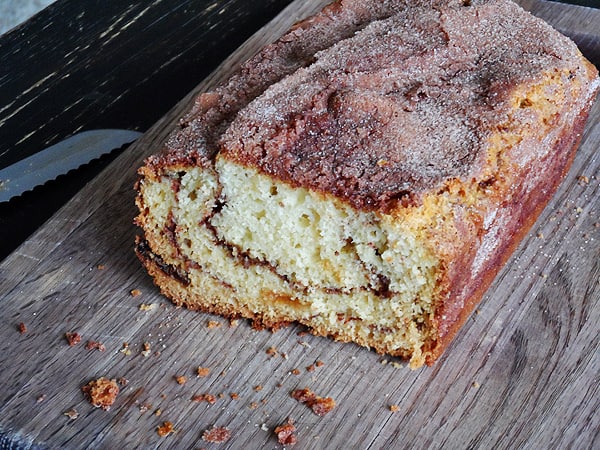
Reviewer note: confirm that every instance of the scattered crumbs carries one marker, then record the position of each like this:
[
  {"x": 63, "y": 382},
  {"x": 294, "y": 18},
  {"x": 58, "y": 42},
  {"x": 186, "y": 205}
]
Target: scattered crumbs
[
  {"x": 41, "y": 398},
  {"x": 181, "y": 379},
  {"x": 213, "y": 324},
  {"x": 583, "y": 180},
  {"x": 100, "y": 267},
  {"x": 296, "y": 372},
  {"x": 272, "y": 352},
  {"x": 135, "y": 292},
  {"x": 165, "y": 429},
  {"x": 310, "y": 368},
  {"x": 22, "y": 328},
  {"x": 101, "y": 392},
  {"x": 286, "y": 433},
  {"x": 544, "y": 275},
  {"x": 475, "y": 384},
  {"x": 233, "y": 323},
  {"x": 72, "y": 414},
  {"x": 73, "y": 338},
  {"x": 382, "y": 162},
  {"x": 147, "y": 349},
  {"x": 145, "y": 407},
  {"x": 147, "y": 306},
  {"x": 221, "y": 395},
  {"x": 540, "y": 235},
  {"x": 319, "y": 405},
  {"x": 397, "y": 365},
  {"x": 258, "y": 388},
  {"x": 264, "y": 427},
  {"x": 597, "y": 225},
  {"x": 579, "y": 210},
  {"x": 202, "y": 372},
  {"x": 383, "y": 362},
  {"x": 125, "y": 349},
  {"x": 123, "y": 381},
  {"x": 322, "y": 405},
  {"x": 319, "y": 363},
  {"x": 284, "y": 356},
  {"x": 253, "y": 405},
  {"x": 158, "y": 412},
  {"x": 234, "y": 396},
  {"x": 208, "y": 398},
  {"x": 216, "y": 435},
  {"x": 95, "y": 345}
]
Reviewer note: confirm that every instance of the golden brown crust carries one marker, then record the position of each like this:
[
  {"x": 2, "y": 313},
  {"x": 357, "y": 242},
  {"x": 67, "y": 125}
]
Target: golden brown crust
[{"x": 466, "y": 296}]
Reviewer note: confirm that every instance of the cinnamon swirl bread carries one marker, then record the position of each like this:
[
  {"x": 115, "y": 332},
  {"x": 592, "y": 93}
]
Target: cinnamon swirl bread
[{"x": 369, "y": 173}]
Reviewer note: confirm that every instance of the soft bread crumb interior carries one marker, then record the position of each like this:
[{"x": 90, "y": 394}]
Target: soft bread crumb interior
[{"x": 289, "y": 252}]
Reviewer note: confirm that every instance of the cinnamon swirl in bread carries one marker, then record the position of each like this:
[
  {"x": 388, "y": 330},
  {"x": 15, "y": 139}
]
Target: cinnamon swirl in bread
[{"x": 369, "y": 173}]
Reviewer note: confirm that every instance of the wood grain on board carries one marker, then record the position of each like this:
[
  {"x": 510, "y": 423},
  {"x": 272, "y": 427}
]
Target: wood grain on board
[{"x": 522, "y": 373}]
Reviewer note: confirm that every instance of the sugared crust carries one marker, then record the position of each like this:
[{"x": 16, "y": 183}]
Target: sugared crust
[
  {"x": 399, "y": 108},
  {"x": 196, "y": 141}
]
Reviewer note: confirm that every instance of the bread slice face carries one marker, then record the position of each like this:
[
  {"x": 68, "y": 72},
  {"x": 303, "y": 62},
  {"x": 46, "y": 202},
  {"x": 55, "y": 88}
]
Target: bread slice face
[{"x": 369, "y": 173}]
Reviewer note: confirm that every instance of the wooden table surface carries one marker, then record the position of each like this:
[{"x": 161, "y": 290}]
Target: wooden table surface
[{"x": 523, "y": 373}]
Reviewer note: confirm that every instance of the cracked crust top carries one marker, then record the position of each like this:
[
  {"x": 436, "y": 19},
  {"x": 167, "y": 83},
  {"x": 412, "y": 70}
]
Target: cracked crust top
[{"x": 400, "y": 107}]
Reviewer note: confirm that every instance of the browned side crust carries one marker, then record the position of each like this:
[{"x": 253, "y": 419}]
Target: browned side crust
[{"x": 468, "y": 291}]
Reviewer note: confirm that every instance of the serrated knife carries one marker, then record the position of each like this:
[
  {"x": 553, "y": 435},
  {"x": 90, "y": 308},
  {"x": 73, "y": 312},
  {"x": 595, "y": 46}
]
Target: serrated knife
[{"x": 60, "y": 158}]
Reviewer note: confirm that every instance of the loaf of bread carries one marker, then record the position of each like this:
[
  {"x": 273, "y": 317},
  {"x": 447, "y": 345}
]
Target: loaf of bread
[{"x": 369, "y": 173}]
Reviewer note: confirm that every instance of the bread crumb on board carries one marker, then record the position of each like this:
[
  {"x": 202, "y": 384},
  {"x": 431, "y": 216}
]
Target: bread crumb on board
[
  {"x": 95, "y": 345},
  {"x": 22, "y": 328},
  {"x": 216, "y": 435},
  {"x": 208, "y": 398},
  {"x": 73, "y": 338},
  {"x": 272, "y": 352},
  {"x": 147, "y": 349},
  {"x": 286, "y": 433},
  {"x": 202, "y": 372},
  {"x": 72, "y": 414},
  {"x": 165, "y": 429},
  {"x": 319, "y": 405},
  {"x": 213, "y": 324},
  {"x": 147, "y": 306},
  {"x": 101, "y": 392}
]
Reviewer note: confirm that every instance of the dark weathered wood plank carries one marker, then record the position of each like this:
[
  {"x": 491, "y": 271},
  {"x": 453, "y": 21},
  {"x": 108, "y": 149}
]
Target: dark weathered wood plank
[
  {"x": 522, "y": 373},
  {"x": 104, "y": 64}
]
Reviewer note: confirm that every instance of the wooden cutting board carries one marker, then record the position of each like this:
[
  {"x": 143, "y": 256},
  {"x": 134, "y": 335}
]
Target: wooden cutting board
[{"x": 523, "y": 372}]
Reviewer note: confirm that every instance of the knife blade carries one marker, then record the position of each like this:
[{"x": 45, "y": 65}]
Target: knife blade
[{"x": 60, "y": 158}]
